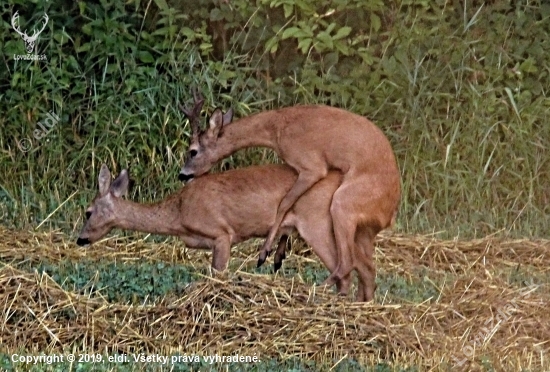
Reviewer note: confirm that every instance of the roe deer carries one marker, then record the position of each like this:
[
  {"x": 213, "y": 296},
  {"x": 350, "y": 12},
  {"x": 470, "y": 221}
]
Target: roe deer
[
  {"x": 218, "y": 210},
  {"x": 314, "y": 140}
]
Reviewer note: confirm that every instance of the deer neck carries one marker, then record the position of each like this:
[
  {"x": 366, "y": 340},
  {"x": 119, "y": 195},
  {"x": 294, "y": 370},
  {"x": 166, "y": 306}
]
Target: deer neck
[
  {"x": 252, "y": 131},
  {"x": 161, "y": 218}
]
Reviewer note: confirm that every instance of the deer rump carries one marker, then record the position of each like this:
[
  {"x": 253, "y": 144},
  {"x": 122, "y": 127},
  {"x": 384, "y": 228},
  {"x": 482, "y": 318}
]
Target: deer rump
[{"x": 242, "y": 203}]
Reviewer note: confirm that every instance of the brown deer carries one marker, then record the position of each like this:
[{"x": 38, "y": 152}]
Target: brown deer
[
  {"x": 218, "y": 210},
  {"x": 314, "y": 140}
]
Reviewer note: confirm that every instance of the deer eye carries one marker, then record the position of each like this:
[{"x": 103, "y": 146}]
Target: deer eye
[
  {"x": 88, "y": 215},
  {"x": 193, "y": 153}
]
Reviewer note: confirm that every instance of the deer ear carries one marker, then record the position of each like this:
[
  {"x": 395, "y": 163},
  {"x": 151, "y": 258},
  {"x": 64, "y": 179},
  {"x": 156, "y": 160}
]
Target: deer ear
[
  {"x": 216, "y": 122},
  {"x": 104, "y": 179},
  {"x": 120, "y": 184},
  {"x": 228, "y": 117}
]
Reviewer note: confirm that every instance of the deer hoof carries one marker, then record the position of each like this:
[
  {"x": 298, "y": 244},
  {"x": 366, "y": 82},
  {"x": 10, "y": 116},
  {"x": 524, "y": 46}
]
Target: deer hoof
[
  {"x": 330, "y": 281},
  {"x": 260, "y": 262},
  {"x": 277, "y": 265}
]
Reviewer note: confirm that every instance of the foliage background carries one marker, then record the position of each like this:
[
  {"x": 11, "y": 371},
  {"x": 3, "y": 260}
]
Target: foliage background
[{"x": 459, "y": 87}]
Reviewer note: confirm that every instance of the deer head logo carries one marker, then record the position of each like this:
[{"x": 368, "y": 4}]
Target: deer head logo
[{"x": 29, "y": 40}]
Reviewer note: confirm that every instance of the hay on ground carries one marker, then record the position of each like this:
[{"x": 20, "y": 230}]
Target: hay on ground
[{"x": 479, "y": 314}]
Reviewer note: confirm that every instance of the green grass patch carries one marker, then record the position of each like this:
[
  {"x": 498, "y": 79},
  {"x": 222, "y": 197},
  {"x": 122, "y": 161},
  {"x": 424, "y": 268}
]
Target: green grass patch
[
  {"x": 523, "y": 276},
  {"x": 123, "y": 282},
  {"x": 422, "y": 286},
  {"x": 204, "y": 364},
  {"x": 310, "y": 273}
]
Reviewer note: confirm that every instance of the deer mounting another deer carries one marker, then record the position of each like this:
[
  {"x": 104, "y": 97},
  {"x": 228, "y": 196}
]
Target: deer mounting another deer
[
  {"x": 313, "y": 140},
  {"x": 218, "y": 210}
]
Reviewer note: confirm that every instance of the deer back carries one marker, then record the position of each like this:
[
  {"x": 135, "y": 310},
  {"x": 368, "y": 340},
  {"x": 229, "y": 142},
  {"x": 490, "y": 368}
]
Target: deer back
[{"x": 243, "y": 201}]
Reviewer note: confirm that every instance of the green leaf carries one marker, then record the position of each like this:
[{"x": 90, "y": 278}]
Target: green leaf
[
  {"x": 83, "y": 48},
  {"x": 330, "y": 28},
  {"x": 528, "y": 66},
  {"x": 326, "y": 40},
  {"x": 272, "y": 45},
  {"x": 216, "y": 15},
  {"x": 367, "y": 58},
  {"x": 305, "y": 6},
  {"x": 146, "y": 57},
  {"x": 342, "y": 47},
  {"x": 342, "y": 33},
  {"x": 87, "y": 29},
  {"x": 375, "y": 22},
  {"x": 82, "y": 7},
  {"x": 162, "y": 4},
  {"x": 289, "y": 8},
  {"x": 15, "y": 79},
  {"x": 304, "y": 45},
  {"x": 61, "y": 38},
  {"x": 186, "y": 31},
  {"x": 205, "y": 46},
  {"x": 290, "y": 32}
]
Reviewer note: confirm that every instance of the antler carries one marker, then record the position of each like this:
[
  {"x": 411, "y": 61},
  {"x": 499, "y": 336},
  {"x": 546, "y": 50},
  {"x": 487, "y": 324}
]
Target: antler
[
  {"x": 35, "y": 34},
  {"x": 194, "y": 114},
  {"x": 14, "y": 21}
]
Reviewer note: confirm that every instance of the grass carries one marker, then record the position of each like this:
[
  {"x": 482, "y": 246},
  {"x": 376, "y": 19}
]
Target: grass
[
  {"x": 134, "y": 282},
  {"x": 467, "y": 120}
]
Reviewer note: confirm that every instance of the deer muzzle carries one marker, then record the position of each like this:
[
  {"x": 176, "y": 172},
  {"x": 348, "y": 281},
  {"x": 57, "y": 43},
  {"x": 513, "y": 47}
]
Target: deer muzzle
[
  {"x": 185, "y": 177},
  {"x": 82, "y": 241}
]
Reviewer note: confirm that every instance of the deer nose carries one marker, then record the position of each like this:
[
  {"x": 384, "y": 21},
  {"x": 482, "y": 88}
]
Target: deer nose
[
  {"x": 82, "y": 241},
  {"x": 185, "y": 177}
]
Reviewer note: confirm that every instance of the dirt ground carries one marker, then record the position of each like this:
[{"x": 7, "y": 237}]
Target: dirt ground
[{"x": 489, "y": 306}]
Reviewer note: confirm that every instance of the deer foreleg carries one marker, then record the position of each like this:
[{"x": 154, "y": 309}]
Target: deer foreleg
[
  {"x": 303, "y": 183},
  {"x": 280, "y": 253},
  {"x": 221, "y": 252}
]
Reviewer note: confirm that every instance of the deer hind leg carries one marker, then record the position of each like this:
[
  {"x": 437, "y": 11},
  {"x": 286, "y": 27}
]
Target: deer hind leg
[
  {"x": 305, "y": 180},
  {"x": 317, "y": 232},
  {"x": 368, "y": 205},
  {"x": 361, "y": 201},
  {"x": 365, "y": 264},
  {"x": 344, "y": 221},
  {"x": 344, "y": 264}
]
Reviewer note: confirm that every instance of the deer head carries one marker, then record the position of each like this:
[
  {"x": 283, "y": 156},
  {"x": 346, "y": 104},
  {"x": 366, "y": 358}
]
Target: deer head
[
  {"x": 198, "y": 161},
  {"x": 101, "y": 216},
  {"x": 29, "y": 40}
]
